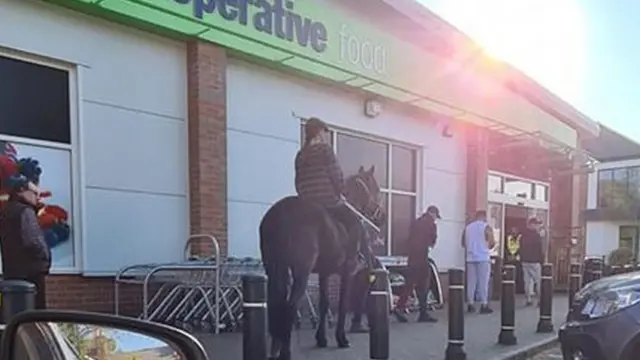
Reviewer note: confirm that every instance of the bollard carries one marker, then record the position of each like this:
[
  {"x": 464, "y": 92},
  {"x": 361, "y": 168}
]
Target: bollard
[
  {"x": 627, "y": 268},
  {"x": 507, "y": 307},
  {"x": 545, "y": 323},
  {"x": 574, "y": 282},
  {"x": 455, "y": 346},
  {"x": 17, "y": 296},
  {"x": 496, "y": 279},
  {"x": 254, "y": 317},
  {"x": 379, "y": 315},
  {"x": 596, "y": 273}
]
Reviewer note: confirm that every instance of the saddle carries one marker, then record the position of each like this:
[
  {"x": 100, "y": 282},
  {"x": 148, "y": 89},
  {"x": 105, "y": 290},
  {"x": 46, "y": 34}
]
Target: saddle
[{"x": 349, "y": 245}]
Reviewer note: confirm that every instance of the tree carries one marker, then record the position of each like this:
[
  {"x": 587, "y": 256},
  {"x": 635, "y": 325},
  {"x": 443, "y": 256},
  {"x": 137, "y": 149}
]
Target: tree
[{"x": 88, "y": 340}]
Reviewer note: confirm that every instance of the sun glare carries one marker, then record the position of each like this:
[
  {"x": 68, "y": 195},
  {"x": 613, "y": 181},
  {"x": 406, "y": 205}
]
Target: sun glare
[{"x": 544, "y": 38}]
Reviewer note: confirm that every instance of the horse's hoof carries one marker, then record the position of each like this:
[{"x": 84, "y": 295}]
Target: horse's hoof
[
  {"x": 358, "y": 329},
  {"x": 342, "y": 341},
  {"x": 321, "y": 343}
]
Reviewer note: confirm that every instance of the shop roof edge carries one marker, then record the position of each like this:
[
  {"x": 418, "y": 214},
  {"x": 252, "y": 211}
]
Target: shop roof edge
[{"x": 528, "y": 88}]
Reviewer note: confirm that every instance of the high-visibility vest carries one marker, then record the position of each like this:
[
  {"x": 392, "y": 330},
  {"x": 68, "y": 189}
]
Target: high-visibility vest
[{"x": 513, "y": 245}]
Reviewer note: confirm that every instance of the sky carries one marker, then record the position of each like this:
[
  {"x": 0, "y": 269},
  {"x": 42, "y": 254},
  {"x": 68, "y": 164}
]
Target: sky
[{"x": 585, "y": 51}]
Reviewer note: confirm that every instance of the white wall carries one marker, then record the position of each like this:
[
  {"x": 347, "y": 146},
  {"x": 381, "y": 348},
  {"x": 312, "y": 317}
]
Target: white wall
[
  {"x": 263, "y": 139},
  {"x": 132, "y": 96},
  {"x": 602, "y": 237},
  {"x": 592, "y": 194}
]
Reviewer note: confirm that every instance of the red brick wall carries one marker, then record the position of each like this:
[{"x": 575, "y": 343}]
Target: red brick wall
[
  {"x": 206, "y": 76},
  {"x": 207, "y": 86}
]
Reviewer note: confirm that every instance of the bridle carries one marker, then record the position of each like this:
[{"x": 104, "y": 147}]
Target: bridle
[{"x": 372, "y": 207}]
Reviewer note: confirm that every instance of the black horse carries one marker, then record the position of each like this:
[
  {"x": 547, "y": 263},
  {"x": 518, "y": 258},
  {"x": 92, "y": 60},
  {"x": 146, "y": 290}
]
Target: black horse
[{"x": 298, "y": 238}]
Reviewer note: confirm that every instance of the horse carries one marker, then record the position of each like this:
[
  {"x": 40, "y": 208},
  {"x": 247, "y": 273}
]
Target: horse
[{"x": 298, "y": 238}]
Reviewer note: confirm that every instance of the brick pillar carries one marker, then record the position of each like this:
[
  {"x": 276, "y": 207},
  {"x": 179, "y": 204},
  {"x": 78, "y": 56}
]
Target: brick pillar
[
  {"x": 207, "y": 125},
  {"x": 477, "y": 170}
]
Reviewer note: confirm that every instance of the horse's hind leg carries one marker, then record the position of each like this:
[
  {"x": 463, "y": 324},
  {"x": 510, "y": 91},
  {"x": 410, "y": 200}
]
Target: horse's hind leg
[
  {"x": 341, "y": 336},
  {"x": 321, "y": 331},
  {"x": 277, "y": 289},
  {"x": 298, "y": 288}
]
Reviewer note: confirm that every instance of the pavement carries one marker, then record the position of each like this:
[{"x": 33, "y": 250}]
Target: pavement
[{"x": 414, "y": 341}]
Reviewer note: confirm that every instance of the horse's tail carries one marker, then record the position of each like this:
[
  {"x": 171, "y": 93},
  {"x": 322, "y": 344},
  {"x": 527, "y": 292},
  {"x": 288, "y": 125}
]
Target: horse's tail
[{"x": 277, "y": 276}]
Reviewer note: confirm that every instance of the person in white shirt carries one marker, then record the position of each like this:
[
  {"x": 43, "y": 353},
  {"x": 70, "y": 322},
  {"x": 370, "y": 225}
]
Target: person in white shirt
[{"x": 478, "y": 241}]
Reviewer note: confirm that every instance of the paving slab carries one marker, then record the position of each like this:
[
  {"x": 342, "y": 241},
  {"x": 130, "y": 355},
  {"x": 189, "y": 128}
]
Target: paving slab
[{"x": 413, "y": 341}]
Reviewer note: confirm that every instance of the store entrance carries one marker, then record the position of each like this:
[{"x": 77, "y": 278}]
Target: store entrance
[{"x": 515, "y": 221}]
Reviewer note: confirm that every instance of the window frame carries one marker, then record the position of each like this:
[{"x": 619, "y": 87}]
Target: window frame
[
  {"x": 388, "y": 191},
  {"x": 518, "y": 201},
  {"x": 611, "y": 172},
  {"x": 74, "y": 148}
]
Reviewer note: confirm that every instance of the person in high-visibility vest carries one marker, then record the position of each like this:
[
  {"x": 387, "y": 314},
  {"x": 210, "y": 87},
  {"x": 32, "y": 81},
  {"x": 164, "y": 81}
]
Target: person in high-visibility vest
[{"x": 513, "y": 246}]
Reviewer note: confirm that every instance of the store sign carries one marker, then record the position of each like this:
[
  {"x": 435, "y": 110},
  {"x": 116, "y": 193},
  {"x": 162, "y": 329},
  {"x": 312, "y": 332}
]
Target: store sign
[
  {"x": 290, "y": 24},
  {"x": 278, "y": 19},
  {"x": 323, "y": 39}
]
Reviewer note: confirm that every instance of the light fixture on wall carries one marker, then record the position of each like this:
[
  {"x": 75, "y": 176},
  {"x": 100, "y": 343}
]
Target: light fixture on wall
[
  {"x": 372, "y": 108},
  {"x": 446, "y": 131}
]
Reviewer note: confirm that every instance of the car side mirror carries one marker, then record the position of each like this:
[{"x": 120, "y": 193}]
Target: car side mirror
[{"x": 74, "y": 335}]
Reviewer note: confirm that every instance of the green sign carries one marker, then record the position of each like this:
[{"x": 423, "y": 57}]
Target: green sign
[
  {"x": 307, "y": 28},
  {"x": 317, "y": 37}
]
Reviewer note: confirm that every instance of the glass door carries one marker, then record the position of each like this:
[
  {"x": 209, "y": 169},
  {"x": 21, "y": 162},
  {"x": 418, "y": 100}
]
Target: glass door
[
  {"x": 543, "y": 216},
  {"x": 495, "y": 218}
]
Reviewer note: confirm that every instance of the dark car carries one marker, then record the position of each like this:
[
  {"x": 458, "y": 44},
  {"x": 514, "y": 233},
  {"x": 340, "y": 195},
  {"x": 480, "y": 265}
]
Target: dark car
[{"x": 604, "y": 320}]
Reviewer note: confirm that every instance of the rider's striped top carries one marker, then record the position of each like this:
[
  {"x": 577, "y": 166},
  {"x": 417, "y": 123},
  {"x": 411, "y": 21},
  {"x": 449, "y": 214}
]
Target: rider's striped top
[{"x": 319, "y": 177}]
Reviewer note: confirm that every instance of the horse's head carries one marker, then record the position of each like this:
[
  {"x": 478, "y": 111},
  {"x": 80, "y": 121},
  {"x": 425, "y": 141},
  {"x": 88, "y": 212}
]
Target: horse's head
[{"x": 363, "y": 192}]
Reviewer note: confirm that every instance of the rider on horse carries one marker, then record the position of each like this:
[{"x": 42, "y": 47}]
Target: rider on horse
[{"x": 319, "y": 179}]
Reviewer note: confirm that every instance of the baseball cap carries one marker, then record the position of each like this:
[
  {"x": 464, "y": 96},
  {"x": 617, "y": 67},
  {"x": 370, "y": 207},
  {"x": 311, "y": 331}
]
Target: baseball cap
[{"x": 432, "y": 209}]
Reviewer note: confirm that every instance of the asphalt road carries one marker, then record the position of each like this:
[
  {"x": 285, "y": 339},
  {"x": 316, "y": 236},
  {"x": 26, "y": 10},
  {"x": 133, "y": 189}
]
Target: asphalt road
[{"x": 551, "y": 354}]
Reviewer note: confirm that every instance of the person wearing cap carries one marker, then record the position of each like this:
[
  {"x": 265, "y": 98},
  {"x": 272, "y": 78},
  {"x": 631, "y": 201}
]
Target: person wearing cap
[
  {"x": 478, "y": 240},
  {"x": 422, "y": 236},
  {"x": 319, "y": 179},
  {"x": 531, "y": 258},
  {"x": 25, "y": 254}
]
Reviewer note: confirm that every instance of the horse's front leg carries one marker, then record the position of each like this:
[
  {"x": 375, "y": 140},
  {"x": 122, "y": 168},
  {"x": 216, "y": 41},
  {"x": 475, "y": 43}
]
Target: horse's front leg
[
  {"x": 359, "y": 292},
  {"x": 345, "y": 284},
  {"x": 321, "y": 332}
]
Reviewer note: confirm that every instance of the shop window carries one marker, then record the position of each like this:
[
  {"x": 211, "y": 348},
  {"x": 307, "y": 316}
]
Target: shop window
[
  {"x": 35, "y": 118},
  {"x": 396, "y": 173},
  {"x": 56, "y": 177},
  {"x": 403, "y": 174},
  {"x": 494, "y": 184},
  {"x": 354, "y": 152},
  {"x": 518, "y": 188},
  {"x": 34, "y": 101},
  {"x": 403, "y": 209},
  {"x": 541, "y": 192},
  {"x": 619, "y": 188}
]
